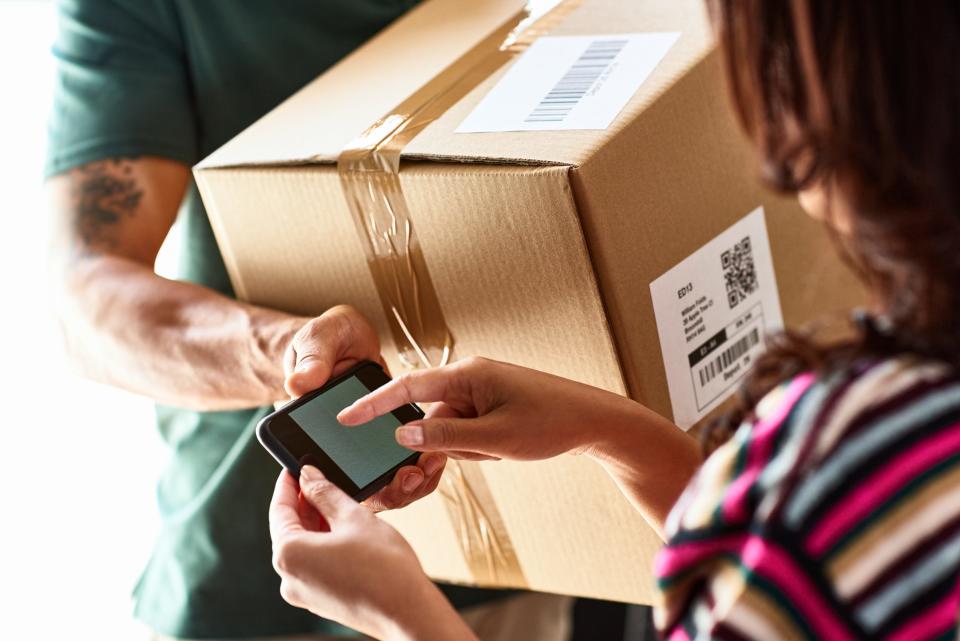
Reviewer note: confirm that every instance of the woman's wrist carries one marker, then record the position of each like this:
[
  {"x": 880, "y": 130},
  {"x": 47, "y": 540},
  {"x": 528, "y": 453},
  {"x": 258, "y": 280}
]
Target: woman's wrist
[
  {"x": 614, "y": 426},
  {"x": 650, "y": 459},
  {"x": 430, "y": 618}
]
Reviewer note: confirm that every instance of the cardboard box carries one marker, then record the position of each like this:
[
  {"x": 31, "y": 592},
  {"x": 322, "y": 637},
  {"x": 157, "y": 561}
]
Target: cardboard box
[{"x": 541, "y": 246}]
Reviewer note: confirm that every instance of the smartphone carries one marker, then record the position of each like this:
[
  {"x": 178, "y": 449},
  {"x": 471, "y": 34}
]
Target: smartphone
[{"x": 360, "y": 459}]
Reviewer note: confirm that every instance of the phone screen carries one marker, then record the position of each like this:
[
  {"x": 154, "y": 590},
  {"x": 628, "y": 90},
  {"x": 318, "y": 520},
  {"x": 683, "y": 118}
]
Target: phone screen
[{"x": 363, "y": 452}]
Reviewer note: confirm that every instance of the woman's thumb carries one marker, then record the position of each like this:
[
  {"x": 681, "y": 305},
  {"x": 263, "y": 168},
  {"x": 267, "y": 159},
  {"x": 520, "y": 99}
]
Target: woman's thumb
[
  {"x": 443, "y": 434},
  {"x": 328, "y": 499}
]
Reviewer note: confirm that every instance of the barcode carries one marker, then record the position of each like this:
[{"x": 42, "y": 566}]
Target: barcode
[
  {"x": 579, "y": 79},
  {"x": 729, "y": 356}
]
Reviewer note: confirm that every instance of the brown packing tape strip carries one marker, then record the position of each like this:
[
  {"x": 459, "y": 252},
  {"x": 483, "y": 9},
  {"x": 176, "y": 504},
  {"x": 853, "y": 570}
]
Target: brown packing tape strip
[
  {"x": 481, "y": 532},
  {"x": 369, "y": 169}
]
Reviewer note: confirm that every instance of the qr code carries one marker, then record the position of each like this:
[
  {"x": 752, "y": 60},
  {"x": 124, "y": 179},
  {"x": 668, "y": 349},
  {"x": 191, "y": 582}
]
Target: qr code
[{"x": 739, "y": 272}]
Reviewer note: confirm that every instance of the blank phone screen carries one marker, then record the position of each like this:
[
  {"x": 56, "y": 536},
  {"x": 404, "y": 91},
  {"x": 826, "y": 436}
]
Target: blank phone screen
[{"x": 363, "y": 452}]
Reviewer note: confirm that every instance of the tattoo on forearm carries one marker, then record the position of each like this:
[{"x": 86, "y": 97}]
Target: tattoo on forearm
[{"x": 104, "y": 193}]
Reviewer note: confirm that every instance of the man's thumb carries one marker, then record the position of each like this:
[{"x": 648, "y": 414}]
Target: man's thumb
[
  {"x": 328, "y": 499},
  {"x": 311, "y": 371}
]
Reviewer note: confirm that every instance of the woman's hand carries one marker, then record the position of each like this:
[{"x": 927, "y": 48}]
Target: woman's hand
[
  {"x": 338, "y": 560},
  {"x": 486, "y": 409},
  {"x": 491, "y": 410},
  {"x": 325, "y": 347}
]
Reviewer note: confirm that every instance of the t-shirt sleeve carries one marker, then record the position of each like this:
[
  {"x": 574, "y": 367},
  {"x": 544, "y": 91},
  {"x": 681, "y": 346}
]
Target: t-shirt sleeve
[{"x": 122, "y": 85}]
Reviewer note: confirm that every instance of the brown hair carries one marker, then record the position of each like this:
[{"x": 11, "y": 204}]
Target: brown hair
[{"x": 861, "y": 98}]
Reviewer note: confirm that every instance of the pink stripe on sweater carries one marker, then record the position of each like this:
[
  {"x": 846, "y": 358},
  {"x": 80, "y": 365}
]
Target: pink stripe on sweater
[
  {"x": 676, "y": 558},
  {"x": 930, "y": 623},
  {"x": 874, "y": 491},
  {"x": 679, "y": 634},
  {"x": 734, "y": 503},
  {"x": 776, "y": 565},
  {"x": 768, "y": 561}
]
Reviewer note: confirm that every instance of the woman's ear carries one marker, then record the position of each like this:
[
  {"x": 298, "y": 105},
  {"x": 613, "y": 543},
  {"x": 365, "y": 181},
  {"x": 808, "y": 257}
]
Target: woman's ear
[
  {"x": 825, "y": 202},
  {"x": 813, "y": 199}
]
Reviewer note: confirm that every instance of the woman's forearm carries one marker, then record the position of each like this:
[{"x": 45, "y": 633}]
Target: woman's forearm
[
  {"x": 432, "y": 618},
  {"x": 650, "y": 458}
]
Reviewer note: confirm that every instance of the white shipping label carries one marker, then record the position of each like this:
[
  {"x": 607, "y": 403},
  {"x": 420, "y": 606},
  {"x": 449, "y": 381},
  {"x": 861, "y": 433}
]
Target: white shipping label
[
  {"x": 569, "y": 82},
  {"x": 713, "y": 311}
]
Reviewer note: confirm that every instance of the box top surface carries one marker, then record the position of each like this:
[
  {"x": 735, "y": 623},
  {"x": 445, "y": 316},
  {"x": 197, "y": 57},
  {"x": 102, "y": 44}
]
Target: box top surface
[{"x": 317, "y": 122}]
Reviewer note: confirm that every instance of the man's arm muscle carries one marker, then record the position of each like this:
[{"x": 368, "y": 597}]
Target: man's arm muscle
[{"x": 176, "y": 342}]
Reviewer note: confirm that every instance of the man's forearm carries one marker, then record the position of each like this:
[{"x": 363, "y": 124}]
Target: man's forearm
[{"x": 176, "y": 342}]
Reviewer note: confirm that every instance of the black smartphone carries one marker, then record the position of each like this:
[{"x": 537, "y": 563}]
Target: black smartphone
[{"x": 360, "y": 459}]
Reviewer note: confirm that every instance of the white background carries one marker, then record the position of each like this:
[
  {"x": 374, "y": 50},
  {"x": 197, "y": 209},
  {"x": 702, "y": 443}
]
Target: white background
[{"x": 78, "y": 461}]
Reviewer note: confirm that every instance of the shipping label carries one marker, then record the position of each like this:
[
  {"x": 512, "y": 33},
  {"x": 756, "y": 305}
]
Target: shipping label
[
  {"x": 713, "y": 311},
  {"x": 569, "y": 82}
]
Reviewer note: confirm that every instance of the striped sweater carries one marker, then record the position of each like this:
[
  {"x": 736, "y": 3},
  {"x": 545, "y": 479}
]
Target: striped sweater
[{"x": 834, "y": 515}]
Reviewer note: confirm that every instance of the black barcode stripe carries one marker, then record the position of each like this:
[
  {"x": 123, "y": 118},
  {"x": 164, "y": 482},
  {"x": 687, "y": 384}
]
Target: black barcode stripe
[
  {"x": 574, "y": 85},
  {"x": 728, "y": 357}
]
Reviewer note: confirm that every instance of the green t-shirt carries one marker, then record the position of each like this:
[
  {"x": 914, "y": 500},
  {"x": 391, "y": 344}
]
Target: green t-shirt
[{"x": 178, "y": 78}]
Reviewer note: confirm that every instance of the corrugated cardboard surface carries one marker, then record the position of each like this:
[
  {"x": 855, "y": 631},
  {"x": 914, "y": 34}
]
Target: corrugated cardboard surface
[
  {"x": 504, "y": 245},
  {"x": 510, "y": 265},
  {"x": 547, "y": 266}
]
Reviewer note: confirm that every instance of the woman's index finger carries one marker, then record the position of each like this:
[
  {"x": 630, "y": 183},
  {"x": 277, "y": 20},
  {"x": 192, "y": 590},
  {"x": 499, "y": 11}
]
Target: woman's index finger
[{"x": 423, "y": 386}]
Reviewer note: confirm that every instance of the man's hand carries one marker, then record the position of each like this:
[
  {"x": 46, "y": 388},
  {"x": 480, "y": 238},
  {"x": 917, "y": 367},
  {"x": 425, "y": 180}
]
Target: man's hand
[
  {"x": 331, "y": 344},
  {"x": 339, "y": 561},
  {"x": 327, "y": 346}
]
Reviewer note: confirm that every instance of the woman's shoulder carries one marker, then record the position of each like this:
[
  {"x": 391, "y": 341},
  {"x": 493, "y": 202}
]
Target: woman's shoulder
[
  {"x": 830, "y": 407},
  {"x": 849, "y": 484},
  {"x": 858, "y": 444},
  {"x": 812, "y": 436}
]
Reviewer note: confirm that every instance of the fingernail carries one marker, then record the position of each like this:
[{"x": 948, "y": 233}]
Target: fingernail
[
  {"x": 344, "y": 413},
  {"x": 412, "y": 482},
  {"x": 410, "y": 435},
  {"x": 310, "y": 474},
  {"x": 432, "y": 465}
]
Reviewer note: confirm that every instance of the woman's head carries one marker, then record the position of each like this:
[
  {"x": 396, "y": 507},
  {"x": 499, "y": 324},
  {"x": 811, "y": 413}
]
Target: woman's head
[{"x": 855, "y": 105}]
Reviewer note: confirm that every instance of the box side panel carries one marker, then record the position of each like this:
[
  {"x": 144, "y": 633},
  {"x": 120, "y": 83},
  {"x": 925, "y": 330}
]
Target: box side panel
[
  {"x": 503, "y": 245},
  {"x": 289, "y": 243},
  {"x": 674, "y": 179},
  {"x": 506, "y": 253},
  {"x": 574, "y": 530},
  {"x": 426, "y": 525},
  {"x": 288, "y": 240},
  {"x": 216, "y": 187},
  {"x": 509, "y": 262}
]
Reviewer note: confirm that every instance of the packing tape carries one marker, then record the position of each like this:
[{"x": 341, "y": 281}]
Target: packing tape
[
  {"x": 481, "y": 532},
  {"x": 369, "y": 170}
]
